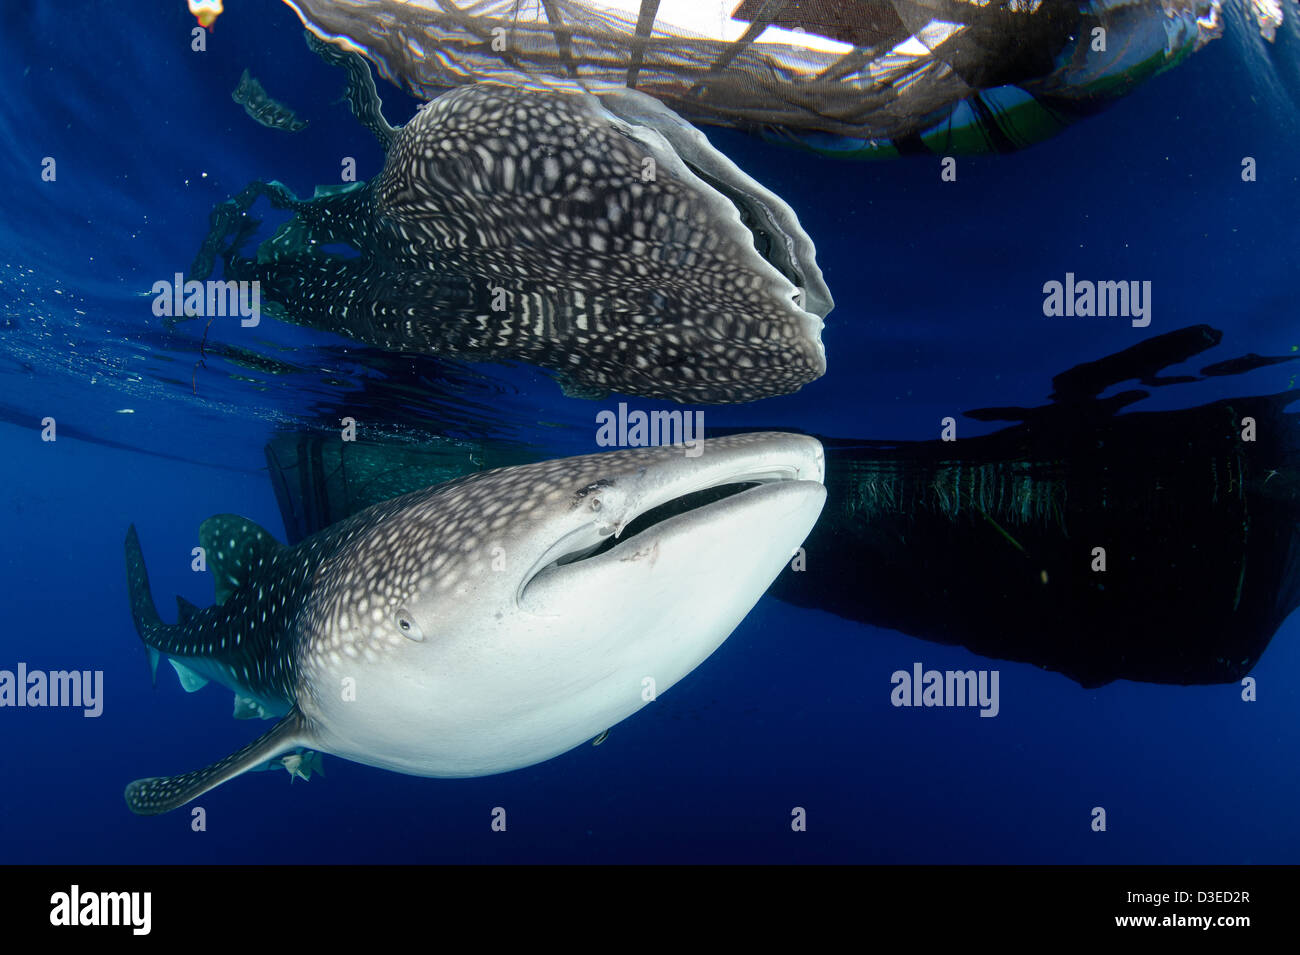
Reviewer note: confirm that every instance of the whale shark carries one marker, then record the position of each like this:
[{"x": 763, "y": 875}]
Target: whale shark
[
  {"x": 490, "y": 622},
  {"x": 603, "y": 239}
]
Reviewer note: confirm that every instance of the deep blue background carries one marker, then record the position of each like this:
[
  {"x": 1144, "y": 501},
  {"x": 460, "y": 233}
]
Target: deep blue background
[{"x": 938, "y": 290}]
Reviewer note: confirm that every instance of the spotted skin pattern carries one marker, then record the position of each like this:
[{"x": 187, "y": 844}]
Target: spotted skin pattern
[
  {"x": 517, "y": 225},
  {"x": 290, "y": 620}
]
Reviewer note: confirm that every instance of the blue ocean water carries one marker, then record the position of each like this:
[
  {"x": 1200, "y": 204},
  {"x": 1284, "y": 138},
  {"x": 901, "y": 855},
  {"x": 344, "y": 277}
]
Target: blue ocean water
[{"x": 938, "y": 288}]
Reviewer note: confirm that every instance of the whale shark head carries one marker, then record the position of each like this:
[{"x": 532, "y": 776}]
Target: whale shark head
[{"x": 502, "y": 619}]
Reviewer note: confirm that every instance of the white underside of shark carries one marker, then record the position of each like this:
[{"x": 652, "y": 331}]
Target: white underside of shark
[{"x": 487, "y": 625}]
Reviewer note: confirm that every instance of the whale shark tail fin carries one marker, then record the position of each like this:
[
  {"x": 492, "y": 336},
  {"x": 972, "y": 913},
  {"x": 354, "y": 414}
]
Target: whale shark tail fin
[
  {"x": 143, "y": 611},
  {"x": 159, "y": 794}
]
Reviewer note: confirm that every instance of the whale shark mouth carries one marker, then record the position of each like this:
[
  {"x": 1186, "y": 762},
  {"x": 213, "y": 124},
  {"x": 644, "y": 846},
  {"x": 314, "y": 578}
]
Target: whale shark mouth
[
  {"x": 690, "y": 498},
  {"x": 692, "y": 501},
  {"x": 770, "y": 242}
]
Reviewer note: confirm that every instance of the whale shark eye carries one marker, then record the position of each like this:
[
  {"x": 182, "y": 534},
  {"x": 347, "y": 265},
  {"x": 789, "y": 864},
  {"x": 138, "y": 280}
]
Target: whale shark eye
[{"x": 407, "y": 625}]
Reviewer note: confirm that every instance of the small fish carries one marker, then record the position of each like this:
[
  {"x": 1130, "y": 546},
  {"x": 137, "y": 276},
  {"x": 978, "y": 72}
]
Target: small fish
[
  {"x": 262, "y": 108},
  {"x": 300, "y": 764}
]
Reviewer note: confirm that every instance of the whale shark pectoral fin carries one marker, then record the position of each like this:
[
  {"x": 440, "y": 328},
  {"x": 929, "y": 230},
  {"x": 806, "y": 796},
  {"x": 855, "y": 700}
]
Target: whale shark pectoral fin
[
  {"x": 361, "y": 94},
  {"x": 159, "y": 794}
]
